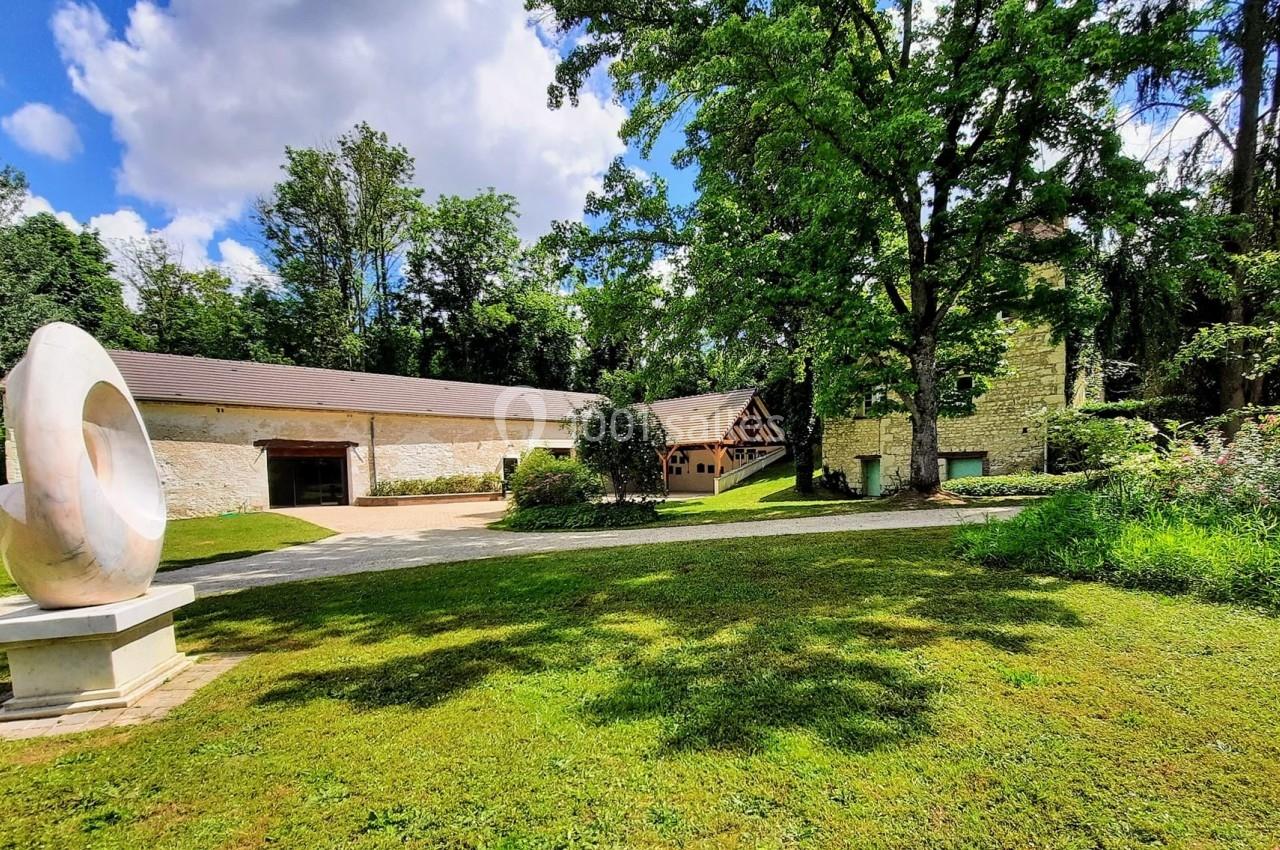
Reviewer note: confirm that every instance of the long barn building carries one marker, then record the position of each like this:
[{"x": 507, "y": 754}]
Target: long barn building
[{"x": 236, "y": 436}]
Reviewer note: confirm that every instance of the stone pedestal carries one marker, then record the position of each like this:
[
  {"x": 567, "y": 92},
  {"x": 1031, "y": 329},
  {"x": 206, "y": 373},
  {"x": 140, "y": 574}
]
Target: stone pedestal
[{"x": 84, "y": 659}]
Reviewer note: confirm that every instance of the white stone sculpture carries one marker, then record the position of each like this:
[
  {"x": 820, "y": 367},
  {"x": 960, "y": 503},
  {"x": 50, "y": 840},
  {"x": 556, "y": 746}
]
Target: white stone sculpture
[{"x": 86, "y": 523}]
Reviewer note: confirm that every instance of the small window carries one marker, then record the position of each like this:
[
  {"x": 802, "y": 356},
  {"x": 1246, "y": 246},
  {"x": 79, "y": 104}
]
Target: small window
[
  {"x": 562, "y": 453},
  {"x": 964, "y": 383},
  {"x": 675, "y": 471},
  {"x": 702, "y": 467},
  {"x": 722, "y": 470}
]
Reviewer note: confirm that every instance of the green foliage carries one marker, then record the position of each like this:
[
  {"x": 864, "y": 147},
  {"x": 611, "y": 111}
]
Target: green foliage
[
  {"x": 1025, "y": 484},
  {"x": 48, "y": 274},
  {"x": 886, "y": 178},
  {"x": 1080, "y": 442},
  {"x": 541, "y": 479},
  {"x": 581, "y": 516},
  {"x": 1204, "y": 519},
  {"x": 337, "y": 224},
  {"x": 485, "y": 308},
  {"x": 1154, "y": 410},
  {"x": 622, "y": 443},
  {"x": 489, "y": 482}
]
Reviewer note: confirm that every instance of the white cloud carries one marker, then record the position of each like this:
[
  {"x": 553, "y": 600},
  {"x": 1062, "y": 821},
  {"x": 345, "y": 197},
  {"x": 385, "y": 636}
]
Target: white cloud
[
  {"x": 205, "y": 96},
  {"x": 34, "y": 205},
  {"x": 242, "y": 264},
  {"x": 39, "y": 128},
  {"x": 1161, "y": 138}
]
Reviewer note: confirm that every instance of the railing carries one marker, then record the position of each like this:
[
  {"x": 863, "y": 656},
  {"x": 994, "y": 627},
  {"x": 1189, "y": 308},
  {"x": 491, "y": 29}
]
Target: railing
[{"x": 735, "y": 477}]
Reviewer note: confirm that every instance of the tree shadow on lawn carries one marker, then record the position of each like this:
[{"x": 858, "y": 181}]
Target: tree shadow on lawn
[{"x": 724, "y": 644}]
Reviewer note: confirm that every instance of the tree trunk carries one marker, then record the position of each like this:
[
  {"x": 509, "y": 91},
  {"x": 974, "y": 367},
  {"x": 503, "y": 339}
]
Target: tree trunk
[
  {"x": 802, "y": 428},
  {"x": 924, "y": 419},
  {"x": 1242, "y": 185}
]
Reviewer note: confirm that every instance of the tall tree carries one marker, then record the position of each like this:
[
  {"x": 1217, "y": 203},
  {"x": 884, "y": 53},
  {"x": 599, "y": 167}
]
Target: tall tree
[
  {"x": 924, "y": 140},
  {"x": 337, "y": 224},
  {"x": 48, "y": 273},
  {"x": 485, "y": 307},
  {"x": 628, "y": 274}
]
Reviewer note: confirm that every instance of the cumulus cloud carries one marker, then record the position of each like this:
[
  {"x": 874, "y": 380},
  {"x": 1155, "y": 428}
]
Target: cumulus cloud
[
  {"x": 204, "y": 97},
  {"x": 34, "y": 205},
  {"x": 39, "y": 128}
]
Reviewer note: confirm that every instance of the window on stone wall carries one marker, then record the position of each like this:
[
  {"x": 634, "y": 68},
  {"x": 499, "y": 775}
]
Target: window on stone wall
[{"x": 702, "y": 467}]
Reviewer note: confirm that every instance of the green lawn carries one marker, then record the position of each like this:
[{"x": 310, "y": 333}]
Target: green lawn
[
  {"x": 188, "y": 542},
  {"x": 843, "y": 690},
  {"x": 771, "y": 494}
]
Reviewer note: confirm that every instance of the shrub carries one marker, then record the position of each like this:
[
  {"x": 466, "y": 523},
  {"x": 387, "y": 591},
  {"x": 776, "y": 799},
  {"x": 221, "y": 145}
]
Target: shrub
[
  {"x": 542, "y": 479},
  {"x": 1204, "y": 518},
  {"x": 593, "y": 515},
  {"x": 1078, "y": 442},
  {"x": 623, "y": 443},
  {"x": 1027, "y": 484},
  {"x": 489, "y": 482}
]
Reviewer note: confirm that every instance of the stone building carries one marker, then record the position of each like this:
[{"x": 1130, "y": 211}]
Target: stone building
[
  {"x": 1005, "y": 434},
  {"x": 231, "y": 436}
]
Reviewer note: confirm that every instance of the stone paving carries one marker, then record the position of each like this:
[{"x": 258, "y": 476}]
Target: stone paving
[
  {"x": 152, "y": 706},
  {"x": 346, "y": 554}
]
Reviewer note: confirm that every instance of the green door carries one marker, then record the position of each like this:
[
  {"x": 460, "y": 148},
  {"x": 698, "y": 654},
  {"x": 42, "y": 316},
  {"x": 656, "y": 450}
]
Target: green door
[
  {"x": 964, "y": 467},
  {"x": 871, "y": 476}
]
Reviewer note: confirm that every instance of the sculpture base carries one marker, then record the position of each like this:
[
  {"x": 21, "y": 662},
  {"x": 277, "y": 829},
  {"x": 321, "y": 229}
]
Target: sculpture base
[{"x": 84, "y": 659}]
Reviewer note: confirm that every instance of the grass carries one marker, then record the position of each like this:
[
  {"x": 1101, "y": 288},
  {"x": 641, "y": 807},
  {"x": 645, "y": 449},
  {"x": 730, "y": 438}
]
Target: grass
[
  {"x": 189, "y": 542},
  {"x": 843, "y": 690},
  {"x": 771, "y": 494}
]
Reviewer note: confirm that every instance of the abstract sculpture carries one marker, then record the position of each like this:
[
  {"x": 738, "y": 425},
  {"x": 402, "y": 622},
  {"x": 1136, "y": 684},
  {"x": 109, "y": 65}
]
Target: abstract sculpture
[{"x": 85, "y": 525}]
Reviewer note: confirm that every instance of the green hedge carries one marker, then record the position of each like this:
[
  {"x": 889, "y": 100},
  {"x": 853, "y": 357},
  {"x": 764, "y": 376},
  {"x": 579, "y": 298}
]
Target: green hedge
[
  {"x": 1027, "y": 484},
  {"x": 593, "y": 515},
  {"x": 489, "y": 482}
]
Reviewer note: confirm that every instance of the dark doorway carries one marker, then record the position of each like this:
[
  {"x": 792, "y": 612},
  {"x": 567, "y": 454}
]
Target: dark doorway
[{"x": 307, "y": 476}]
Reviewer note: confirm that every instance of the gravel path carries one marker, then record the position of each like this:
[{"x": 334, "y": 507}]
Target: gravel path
[{"x": 344, "y": 554}]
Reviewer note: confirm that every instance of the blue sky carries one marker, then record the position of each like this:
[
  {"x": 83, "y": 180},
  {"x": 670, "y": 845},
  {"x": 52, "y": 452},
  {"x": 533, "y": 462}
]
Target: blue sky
[{"x": 180, "y": 109}]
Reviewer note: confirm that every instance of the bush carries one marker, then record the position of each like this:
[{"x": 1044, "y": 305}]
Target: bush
[
  {"x": 1026, "y": 484},
  {"x": 489, "y": 482},
  {"x": 541, "y": 479},
  {"x": 1078, "y": 442},
  {"x": 594, "y": 515},
  {"x": 1203, "y": 519},
  {"x": 622, "y": 442}
]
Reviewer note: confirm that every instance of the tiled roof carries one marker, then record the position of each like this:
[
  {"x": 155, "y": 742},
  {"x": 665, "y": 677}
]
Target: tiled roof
[
  {"x": 701, "y": 418},
  {"x": 203, "y": 380},
  {"x": 175, "y": 378}
]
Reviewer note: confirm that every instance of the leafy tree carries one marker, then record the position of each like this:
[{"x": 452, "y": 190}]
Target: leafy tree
[
  {"x": 1232, "y": 169},
  {"x": 13, "y": 191},
  {"x": 623, "y": 443},
  {"x": 47, "y": 274},
  {"x": 337, "y": 223},
  {"x": 628, "y": 276},
  {"x": 917, "y": 145},
  {"x": 191, "y": 312},
  {"x": 485, "y": 308}
]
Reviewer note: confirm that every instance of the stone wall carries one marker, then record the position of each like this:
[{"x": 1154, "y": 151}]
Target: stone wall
[
  {"x": 209, "y": 465},
  {"x": 1007, "y": 427}
]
